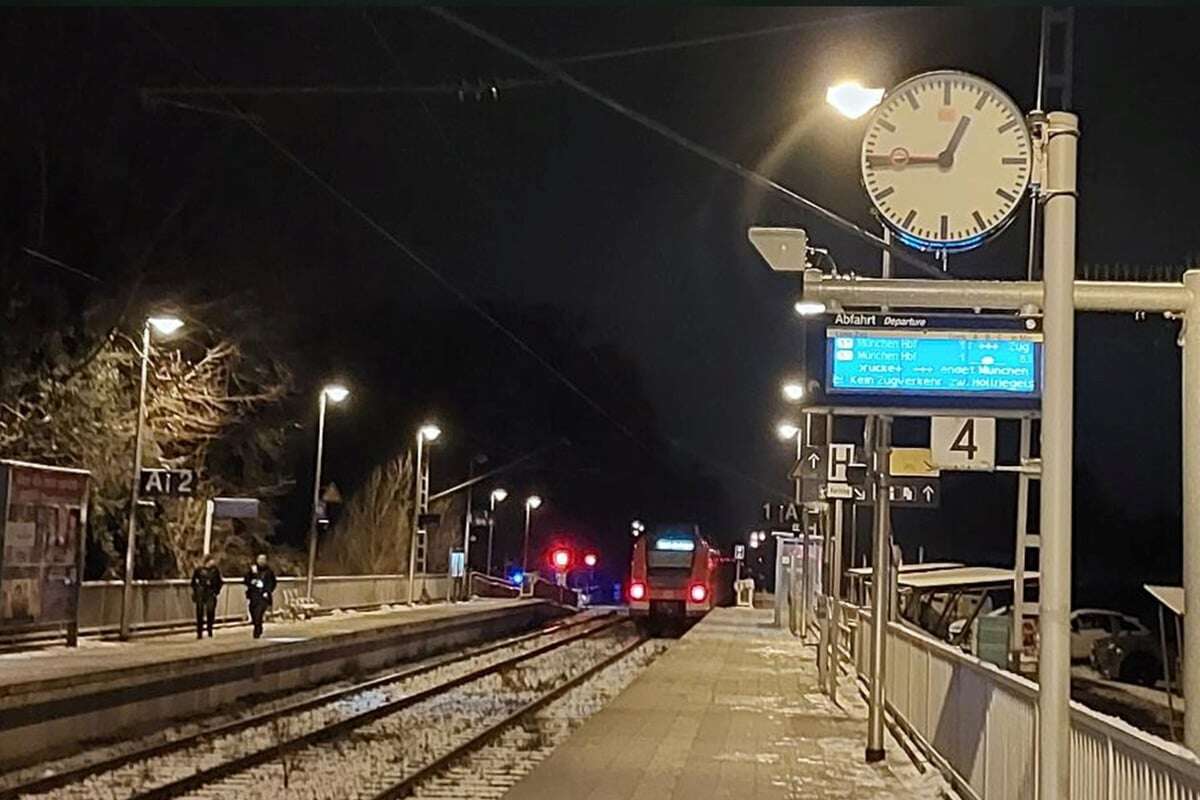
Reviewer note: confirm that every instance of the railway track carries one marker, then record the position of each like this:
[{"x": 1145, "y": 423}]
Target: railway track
[{"x": 212, "y": 756}]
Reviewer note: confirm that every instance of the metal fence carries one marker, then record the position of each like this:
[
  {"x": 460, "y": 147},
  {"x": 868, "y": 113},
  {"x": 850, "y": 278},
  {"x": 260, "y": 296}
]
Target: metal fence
[
  {"x": 980, "y": 722},
  {"x": 168, "y": 603}
]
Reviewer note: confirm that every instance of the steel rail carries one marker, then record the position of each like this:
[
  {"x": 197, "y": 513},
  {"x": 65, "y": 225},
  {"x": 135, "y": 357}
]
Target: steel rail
[
  {"x": 205, "y": 777},
  {"x": 405, "y": 787},
  {"x": 74, "y": 775}
]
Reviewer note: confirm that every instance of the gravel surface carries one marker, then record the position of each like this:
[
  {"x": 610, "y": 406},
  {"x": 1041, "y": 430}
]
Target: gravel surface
[
  {"x": 125, "y": 781},
  {"x": 380, "y": 754}
]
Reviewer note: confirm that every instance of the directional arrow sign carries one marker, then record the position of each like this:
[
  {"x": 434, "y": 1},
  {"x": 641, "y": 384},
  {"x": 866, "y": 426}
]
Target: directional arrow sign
[
  {"x": 812, "y": 463},
  {"x": 915, "y": 492}
]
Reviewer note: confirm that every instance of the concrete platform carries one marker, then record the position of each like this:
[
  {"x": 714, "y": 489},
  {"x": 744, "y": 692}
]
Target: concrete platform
[
  {"x": 731, "y": 710},
  {"x": 57, "y": 696}
]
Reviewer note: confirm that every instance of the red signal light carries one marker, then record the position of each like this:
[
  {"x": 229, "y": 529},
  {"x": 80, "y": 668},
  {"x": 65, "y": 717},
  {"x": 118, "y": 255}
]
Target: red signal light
[
  {"x": 637, "y": 591},
  {"x": 698, "y": 592},
  {"x": 561, "y": 558},
  {"x": 590, "y": 559}
]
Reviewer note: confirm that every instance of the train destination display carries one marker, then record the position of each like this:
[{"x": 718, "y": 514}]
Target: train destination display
[{"x": 976, "y": 360}]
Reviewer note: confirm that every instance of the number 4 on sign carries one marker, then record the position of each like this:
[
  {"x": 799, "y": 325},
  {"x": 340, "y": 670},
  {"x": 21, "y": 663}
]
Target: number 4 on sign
[{"x": 963, "y": 443}]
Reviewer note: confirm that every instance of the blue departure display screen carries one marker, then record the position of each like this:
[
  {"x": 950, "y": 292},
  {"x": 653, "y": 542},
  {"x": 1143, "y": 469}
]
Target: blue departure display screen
[{"x": 980, "y": 363}]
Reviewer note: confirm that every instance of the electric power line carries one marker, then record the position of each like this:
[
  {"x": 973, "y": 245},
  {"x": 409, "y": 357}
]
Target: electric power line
[
  {"x": 721, "y": 38},
  {"x": 412, "y": 255},
  {"x": 795, "y": 198}
]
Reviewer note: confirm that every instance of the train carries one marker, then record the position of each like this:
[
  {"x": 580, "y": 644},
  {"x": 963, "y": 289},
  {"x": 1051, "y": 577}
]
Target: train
[{"x": 676, "y": 577}]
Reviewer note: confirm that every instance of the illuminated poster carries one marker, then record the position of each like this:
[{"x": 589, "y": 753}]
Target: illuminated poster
[{"x": 42, "y": 533}]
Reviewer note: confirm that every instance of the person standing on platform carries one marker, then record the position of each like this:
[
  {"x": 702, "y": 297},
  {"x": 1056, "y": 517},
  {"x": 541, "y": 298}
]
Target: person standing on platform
[
  {"x": 206, "y": 586},
  {"x": 260, "y": 586}
]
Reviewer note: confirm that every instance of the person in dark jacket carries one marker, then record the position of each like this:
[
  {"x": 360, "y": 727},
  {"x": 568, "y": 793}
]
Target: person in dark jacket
[
  {"x": 260, "y": 587},
  {"x": 206, "y": 586}
]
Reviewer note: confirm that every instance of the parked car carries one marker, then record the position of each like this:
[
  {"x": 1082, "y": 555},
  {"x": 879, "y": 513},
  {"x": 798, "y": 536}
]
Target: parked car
[
  {"x": 1090, "y": 625},
  {"x": 1133, "y": 657}
]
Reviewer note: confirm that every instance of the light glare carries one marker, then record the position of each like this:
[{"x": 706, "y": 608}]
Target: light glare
[
  {"x": 852, "y": 99},
  {"x": 793, "y": 391},
  {"x": 809, "y": 308},
  {"x": 336, "y": 392},
  {"x": 787, "y": 430},
  {"x": 166, "y": 325}
]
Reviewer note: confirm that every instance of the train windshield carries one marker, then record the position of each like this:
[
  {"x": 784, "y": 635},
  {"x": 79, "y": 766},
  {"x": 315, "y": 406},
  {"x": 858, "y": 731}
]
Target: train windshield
[{"x": 672, "y": 549}]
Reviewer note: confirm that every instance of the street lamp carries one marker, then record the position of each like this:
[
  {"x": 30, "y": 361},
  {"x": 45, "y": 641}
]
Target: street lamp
[
  {"x": 637, "y": 528},
  {"x": 498, "y": 495},
  {"x": 793, "y": 391},
  {"x": 165, "y": 325},
  {"x": 809, "y": 308},
  {"x": 337, "y": 393},
  {"x": 852, "y": 99},
  {"x": 531, "y": 503},
  {"x": 426, "y": 433},
  {"x": 787, "y": 430}
]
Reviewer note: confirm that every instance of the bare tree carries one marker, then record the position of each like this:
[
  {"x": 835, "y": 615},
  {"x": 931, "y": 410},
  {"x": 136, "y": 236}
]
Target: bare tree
[
  {"x": 199, "y": 409},
  {"x": 375, "y": 530}
]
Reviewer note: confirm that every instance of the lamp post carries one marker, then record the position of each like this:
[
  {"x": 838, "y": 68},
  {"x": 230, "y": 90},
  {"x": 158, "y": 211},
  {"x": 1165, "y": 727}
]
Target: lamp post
[
  {"x": 426, "y": 433},
  {"x": 852, "y": 99},
  {"x": 531, "y": 503},
  {"x": 165, "y": 326},
  {"x": 498, "y": 495},
  {"x": 337, "y": 393}
]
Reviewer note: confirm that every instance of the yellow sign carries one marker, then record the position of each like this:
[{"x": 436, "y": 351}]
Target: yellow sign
[{"x": 912, "y": 462}]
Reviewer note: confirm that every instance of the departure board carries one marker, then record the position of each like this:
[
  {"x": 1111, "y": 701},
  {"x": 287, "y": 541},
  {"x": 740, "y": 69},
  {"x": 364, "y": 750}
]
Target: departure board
[{"x": 975, "y": 361}]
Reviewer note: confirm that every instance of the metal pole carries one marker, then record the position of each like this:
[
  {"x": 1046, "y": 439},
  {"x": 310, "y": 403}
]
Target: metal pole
[
  {"x": 1017, "y": 629},
  {"x": 209, "y": 508},
  {"x": 879, "y": 594},
  {"x": 1162, "y": 641},
  {"x": 805, "y": 574},
  {"x": 835, "y": 592},
  {"x": 525, "y": 546},
  {"x": 491, "y": 529},
  {"x": 316, "y": 499},
  {"x": 416, "y": 521},
  {"x": 1191, "y": 512},
  {"x": 1117, "y": 296},
  {"x": 135, "y": 488},
  {"x": 1058, "y": 268},
  {"x": 467, "y": 522}
]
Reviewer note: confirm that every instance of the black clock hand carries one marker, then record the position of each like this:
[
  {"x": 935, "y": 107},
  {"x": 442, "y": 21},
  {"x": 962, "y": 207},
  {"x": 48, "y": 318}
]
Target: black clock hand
[{"x": 946, "y": 157}]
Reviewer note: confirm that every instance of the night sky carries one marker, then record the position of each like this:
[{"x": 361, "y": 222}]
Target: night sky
[{"x": 540, "y": 198}]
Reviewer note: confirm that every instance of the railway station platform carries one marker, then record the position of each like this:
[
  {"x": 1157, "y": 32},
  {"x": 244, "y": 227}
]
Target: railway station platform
[
  {"x": 54, "y": 697},
  {"x": 731, "y": 710}
]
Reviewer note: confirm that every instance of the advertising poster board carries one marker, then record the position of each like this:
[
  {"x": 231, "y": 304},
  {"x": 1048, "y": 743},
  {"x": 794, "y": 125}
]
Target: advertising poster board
[{"x": 42, "y": 534}]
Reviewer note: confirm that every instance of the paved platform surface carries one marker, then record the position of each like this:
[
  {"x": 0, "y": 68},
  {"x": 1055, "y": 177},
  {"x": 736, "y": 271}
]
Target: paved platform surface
[
  {"x": 94, "y": 659},
  {"x": 731, "y": 710}
]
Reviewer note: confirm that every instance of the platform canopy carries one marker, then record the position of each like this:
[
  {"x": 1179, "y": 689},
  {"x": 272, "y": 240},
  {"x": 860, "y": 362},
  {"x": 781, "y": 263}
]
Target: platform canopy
[
  {"x": 962, "y": 578},
  {"x": 907, "y": 568},
  {"x": 1169, "y": 596}
]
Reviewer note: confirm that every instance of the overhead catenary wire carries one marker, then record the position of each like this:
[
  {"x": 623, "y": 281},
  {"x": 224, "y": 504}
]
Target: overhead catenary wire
[
  {"x": 795, "y": 198},
  {"x": 722, "y": 38},
  {"x": 411, "y": 254}
]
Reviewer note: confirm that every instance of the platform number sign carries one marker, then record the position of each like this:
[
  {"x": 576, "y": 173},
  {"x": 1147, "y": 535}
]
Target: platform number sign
[
  {"x": 963, "y": 443},
  {"x": 167, "y": 483}
]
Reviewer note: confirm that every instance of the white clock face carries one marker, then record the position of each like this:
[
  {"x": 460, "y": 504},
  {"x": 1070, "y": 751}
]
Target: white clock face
[{"x": 946, "y": 158}]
